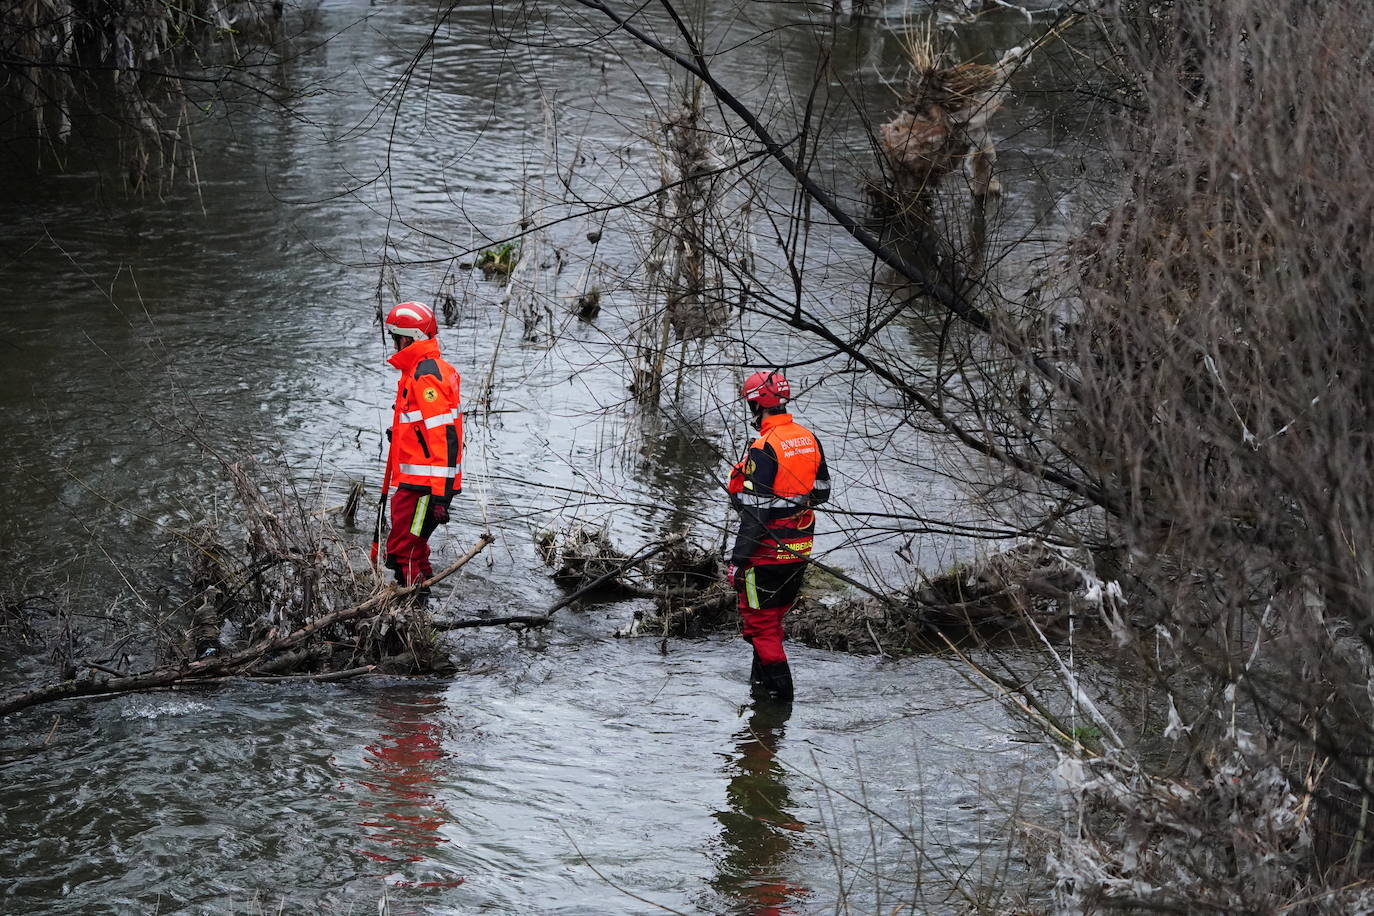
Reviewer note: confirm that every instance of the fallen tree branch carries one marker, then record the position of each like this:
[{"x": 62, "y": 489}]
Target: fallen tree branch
[
  {"x": 319, "y": 677},
  {"x": 662, "y": 594},
  {"x": 1029, "y": 705},
  {"x": 529, "y": 620},
  {"x": 603, "y": 579},
  {"x": 539, "y": 620},
  {"x": 221, "y": 666}
]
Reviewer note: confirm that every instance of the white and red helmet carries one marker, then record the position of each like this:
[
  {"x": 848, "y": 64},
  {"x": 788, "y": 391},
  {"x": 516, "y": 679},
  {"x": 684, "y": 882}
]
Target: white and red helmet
[
  {"x": 412, "y": 319},
  {"x": 767, "y": 389}
]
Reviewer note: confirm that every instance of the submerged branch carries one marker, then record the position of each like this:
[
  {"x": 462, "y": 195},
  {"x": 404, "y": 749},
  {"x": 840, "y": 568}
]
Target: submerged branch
[{"x": 318, "y": 677}]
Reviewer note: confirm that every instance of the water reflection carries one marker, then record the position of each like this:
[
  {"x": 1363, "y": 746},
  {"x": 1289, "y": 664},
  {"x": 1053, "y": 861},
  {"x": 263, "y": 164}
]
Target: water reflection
[
  {"x": 405, "y": 818},
  {"x": 760, "y": 826}
]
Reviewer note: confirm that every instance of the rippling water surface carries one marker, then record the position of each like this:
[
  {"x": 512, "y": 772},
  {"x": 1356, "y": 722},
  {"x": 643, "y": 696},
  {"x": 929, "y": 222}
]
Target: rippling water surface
[
  {"x": 586, "y": 776},
  {"x": 566, "y": 773}
]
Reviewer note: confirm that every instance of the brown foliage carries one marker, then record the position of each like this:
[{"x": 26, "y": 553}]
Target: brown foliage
[
  {"x": 1221, "y": 339},
  {"x": 68, "y": 65}
]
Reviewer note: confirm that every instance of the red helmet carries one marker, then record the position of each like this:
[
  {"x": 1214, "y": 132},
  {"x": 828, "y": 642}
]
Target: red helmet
[
  {"x": 766, "y": 389},
  {"x": 412, "y": 319}
]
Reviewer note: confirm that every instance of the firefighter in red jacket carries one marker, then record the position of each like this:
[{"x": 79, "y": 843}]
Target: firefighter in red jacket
[
  {"x": 773, "y": 487},
  {"x": 425, "y": 460}
]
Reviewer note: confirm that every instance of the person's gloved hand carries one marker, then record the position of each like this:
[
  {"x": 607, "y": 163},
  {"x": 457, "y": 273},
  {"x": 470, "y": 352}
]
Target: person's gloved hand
[
  {"x": 730, "y": 571},
  {"x": 438, "y": 510}
]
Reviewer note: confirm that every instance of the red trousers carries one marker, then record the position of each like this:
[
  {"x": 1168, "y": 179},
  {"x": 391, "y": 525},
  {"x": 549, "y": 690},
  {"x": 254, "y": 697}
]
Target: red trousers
[
  {"x": 766, "y": 593},
  {"x": 407, "y": 545}
]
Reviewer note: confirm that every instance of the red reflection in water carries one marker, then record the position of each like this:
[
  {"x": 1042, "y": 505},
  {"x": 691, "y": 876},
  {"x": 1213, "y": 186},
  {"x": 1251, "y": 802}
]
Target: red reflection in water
[
  {"x": 405, "y": 818},
  {"x": 758, "y": 822}
]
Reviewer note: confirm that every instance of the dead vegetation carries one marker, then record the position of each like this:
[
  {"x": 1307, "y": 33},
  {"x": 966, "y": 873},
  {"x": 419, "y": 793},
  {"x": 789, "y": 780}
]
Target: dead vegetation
[
  {"x": 269, "y": 657},
  {"x": 942, "y": 117},
  {"x": 72, "y": 70},
  {"x": 1027, "y": 588},
  {"x": 1031, "y": 585},
  {"x": 17, "y": 614},
  {"x": 295, "y": 567},
  {"x": 1216, "y": 323},
  {"x": 941, "y": 123},
  {"x": 581, "y": 554},
  {"x": 697, "y": 244},
  {"x": 296, "y": 598}
]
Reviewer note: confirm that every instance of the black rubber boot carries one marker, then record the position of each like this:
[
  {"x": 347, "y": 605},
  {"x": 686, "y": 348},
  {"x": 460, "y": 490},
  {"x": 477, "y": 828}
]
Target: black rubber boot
[
  {"x": 759, "y": 687},
  {"x": 777, "y": 678}
]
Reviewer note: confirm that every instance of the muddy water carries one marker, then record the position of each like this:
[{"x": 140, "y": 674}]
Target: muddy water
[{"x": 571, "y": 773}]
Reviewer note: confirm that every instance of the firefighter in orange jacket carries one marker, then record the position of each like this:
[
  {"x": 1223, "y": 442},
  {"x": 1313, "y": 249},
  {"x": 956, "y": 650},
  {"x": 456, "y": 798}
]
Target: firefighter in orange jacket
[
  {"x": 773, "y": 487},
  {"x": 425, "y": 460}
]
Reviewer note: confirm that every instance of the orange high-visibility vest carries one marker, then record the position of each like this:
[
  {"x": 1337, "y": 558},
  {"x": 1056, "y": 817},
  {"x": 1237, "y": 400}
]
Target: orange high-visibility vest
[
  {"x": 774, "y": 486},
  {"x": 427, "y": 423}
]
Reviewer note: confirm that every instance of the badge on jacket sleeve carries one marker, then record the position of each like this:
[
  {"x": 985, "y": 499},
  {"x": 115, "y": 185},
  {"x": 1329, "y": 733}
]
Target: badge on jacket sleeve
[{"x": 431, "y": 395}]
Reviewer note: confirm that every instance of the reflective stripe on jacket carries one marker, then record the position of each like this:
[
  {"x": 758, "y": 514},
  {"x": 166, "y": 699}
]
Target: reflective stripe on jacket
[
  {"x": 773, "y": 487},
  {"x": 427, "y": 422}
]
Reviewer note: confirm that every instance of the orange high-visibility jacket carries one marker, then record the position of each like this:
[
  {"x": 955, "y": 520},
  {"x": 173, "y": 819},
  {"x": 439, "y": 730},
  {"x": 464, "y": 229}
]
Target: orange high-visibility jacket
[
  {"x": 773, "y": 487},
  {"x": 427, "y": 423}
]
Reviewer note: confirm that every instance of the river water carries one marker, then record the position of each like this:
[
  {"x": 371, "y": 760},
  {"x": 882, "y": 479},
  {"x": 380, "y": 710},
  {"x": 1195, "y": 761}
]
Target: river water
[{"x": 146, "y": 334}]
